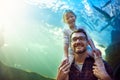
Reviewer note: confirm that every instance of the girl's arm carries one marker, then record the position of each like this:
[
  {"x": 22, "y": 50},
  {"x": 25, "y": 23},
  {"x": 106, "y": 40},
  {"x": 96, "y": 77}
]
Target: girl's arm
[
  {"x": 91, "y": 44},
  {"x": 94, "y": 49},
  {"x": 66, "y": 43}
]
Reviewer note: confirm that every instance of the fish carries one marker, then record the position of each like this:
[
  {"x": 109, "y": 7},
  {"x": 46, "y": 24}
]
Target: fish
[
  {"x": 110, "y": 22},
  {"x": 107, "y": 3},
  {"x": 105, "y": 14}
]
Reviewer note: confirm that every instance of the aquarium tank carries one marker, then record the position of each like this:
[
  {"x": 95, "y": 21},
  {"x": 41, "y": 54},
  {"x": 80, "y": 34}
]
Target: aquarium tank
[{"x": 31, "y": 39}]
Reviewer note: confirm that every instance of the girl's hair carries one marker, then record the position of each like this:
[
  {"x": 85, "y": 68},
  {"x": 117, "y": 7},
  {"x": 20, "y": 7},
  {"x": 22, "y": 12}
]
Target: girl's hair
[{"x": 68, "y": 11}]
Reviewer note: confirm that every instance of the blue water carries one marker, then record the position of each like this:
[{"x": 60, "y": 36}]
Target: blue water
[{"x": 31, "y": 32}]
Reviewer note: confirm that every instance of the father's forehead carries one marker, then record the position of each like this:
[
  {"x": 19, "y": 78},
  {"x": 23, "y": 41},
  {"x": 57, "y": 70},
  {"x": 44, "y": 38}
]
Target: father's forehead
[{"x": 78, "y": 34}]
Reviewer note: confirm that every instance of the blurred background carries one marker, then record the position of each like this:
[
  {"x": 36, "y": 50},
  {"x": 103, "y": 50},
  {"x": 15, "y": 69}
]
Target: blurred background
[{"x": 31, "y": 31}]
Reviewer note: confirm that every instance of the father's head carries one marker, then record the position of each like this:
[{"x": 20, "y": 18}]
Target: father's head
[{"x": 79, "y": 41}]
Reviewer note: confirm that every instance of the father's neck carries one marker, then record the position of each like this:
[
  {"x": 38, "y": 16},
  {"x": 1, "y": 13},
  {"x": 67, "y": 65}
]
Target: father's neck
[{"x": 80, "y": 58}]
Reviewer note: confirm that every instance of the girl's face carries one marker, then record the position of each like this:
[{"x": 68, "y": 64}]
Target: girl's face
[{"x": 69, "y": 18}]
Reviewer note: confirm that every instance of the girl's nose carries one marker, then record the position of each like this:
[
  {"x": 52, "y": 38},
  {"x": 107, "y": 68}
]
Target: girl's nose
[{"x": 70, "y": 18}]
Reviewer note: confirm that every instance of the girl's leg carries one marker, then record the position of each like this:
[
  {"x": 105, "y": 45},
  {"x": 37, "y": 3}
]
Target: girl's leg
[{"x": 71, "y": 56}]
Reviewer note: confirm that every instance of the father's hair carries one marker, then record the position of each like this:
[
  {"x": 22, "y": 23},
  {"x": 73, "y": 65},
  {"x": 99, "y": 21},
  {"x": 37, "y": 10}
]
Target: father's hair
[{"x": 79, "y": 31}]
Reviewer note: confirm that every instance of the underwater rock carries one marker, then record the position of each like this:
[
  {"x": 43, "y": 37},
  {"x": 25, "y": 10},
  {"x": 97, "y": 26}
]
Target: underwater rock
[
  {"x": 113, "y": 57},
  {"x": 9, "y": 73},
  {"x": 115, "y": 36},
  {"x": 113, "y": 54}
]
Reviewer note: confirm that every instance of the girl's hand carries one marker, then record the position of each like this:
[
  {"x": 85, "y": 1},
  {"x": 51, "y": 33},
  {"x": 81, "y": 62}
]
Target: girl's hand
[{"x": 63, "y": 71}]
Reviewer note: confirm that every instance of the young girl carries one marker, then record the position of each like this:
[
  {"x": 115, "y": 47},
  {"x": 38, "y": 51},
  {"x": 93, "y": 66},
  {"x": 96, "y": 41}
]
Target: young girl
[{"x": 69, "y": 18}]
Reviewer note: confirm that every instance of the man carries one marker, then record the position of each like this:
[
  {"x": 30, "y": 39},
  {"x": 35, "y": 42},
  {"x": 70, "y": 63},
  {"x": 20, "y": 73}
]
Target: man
[{"x": 83, "y": 67}]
